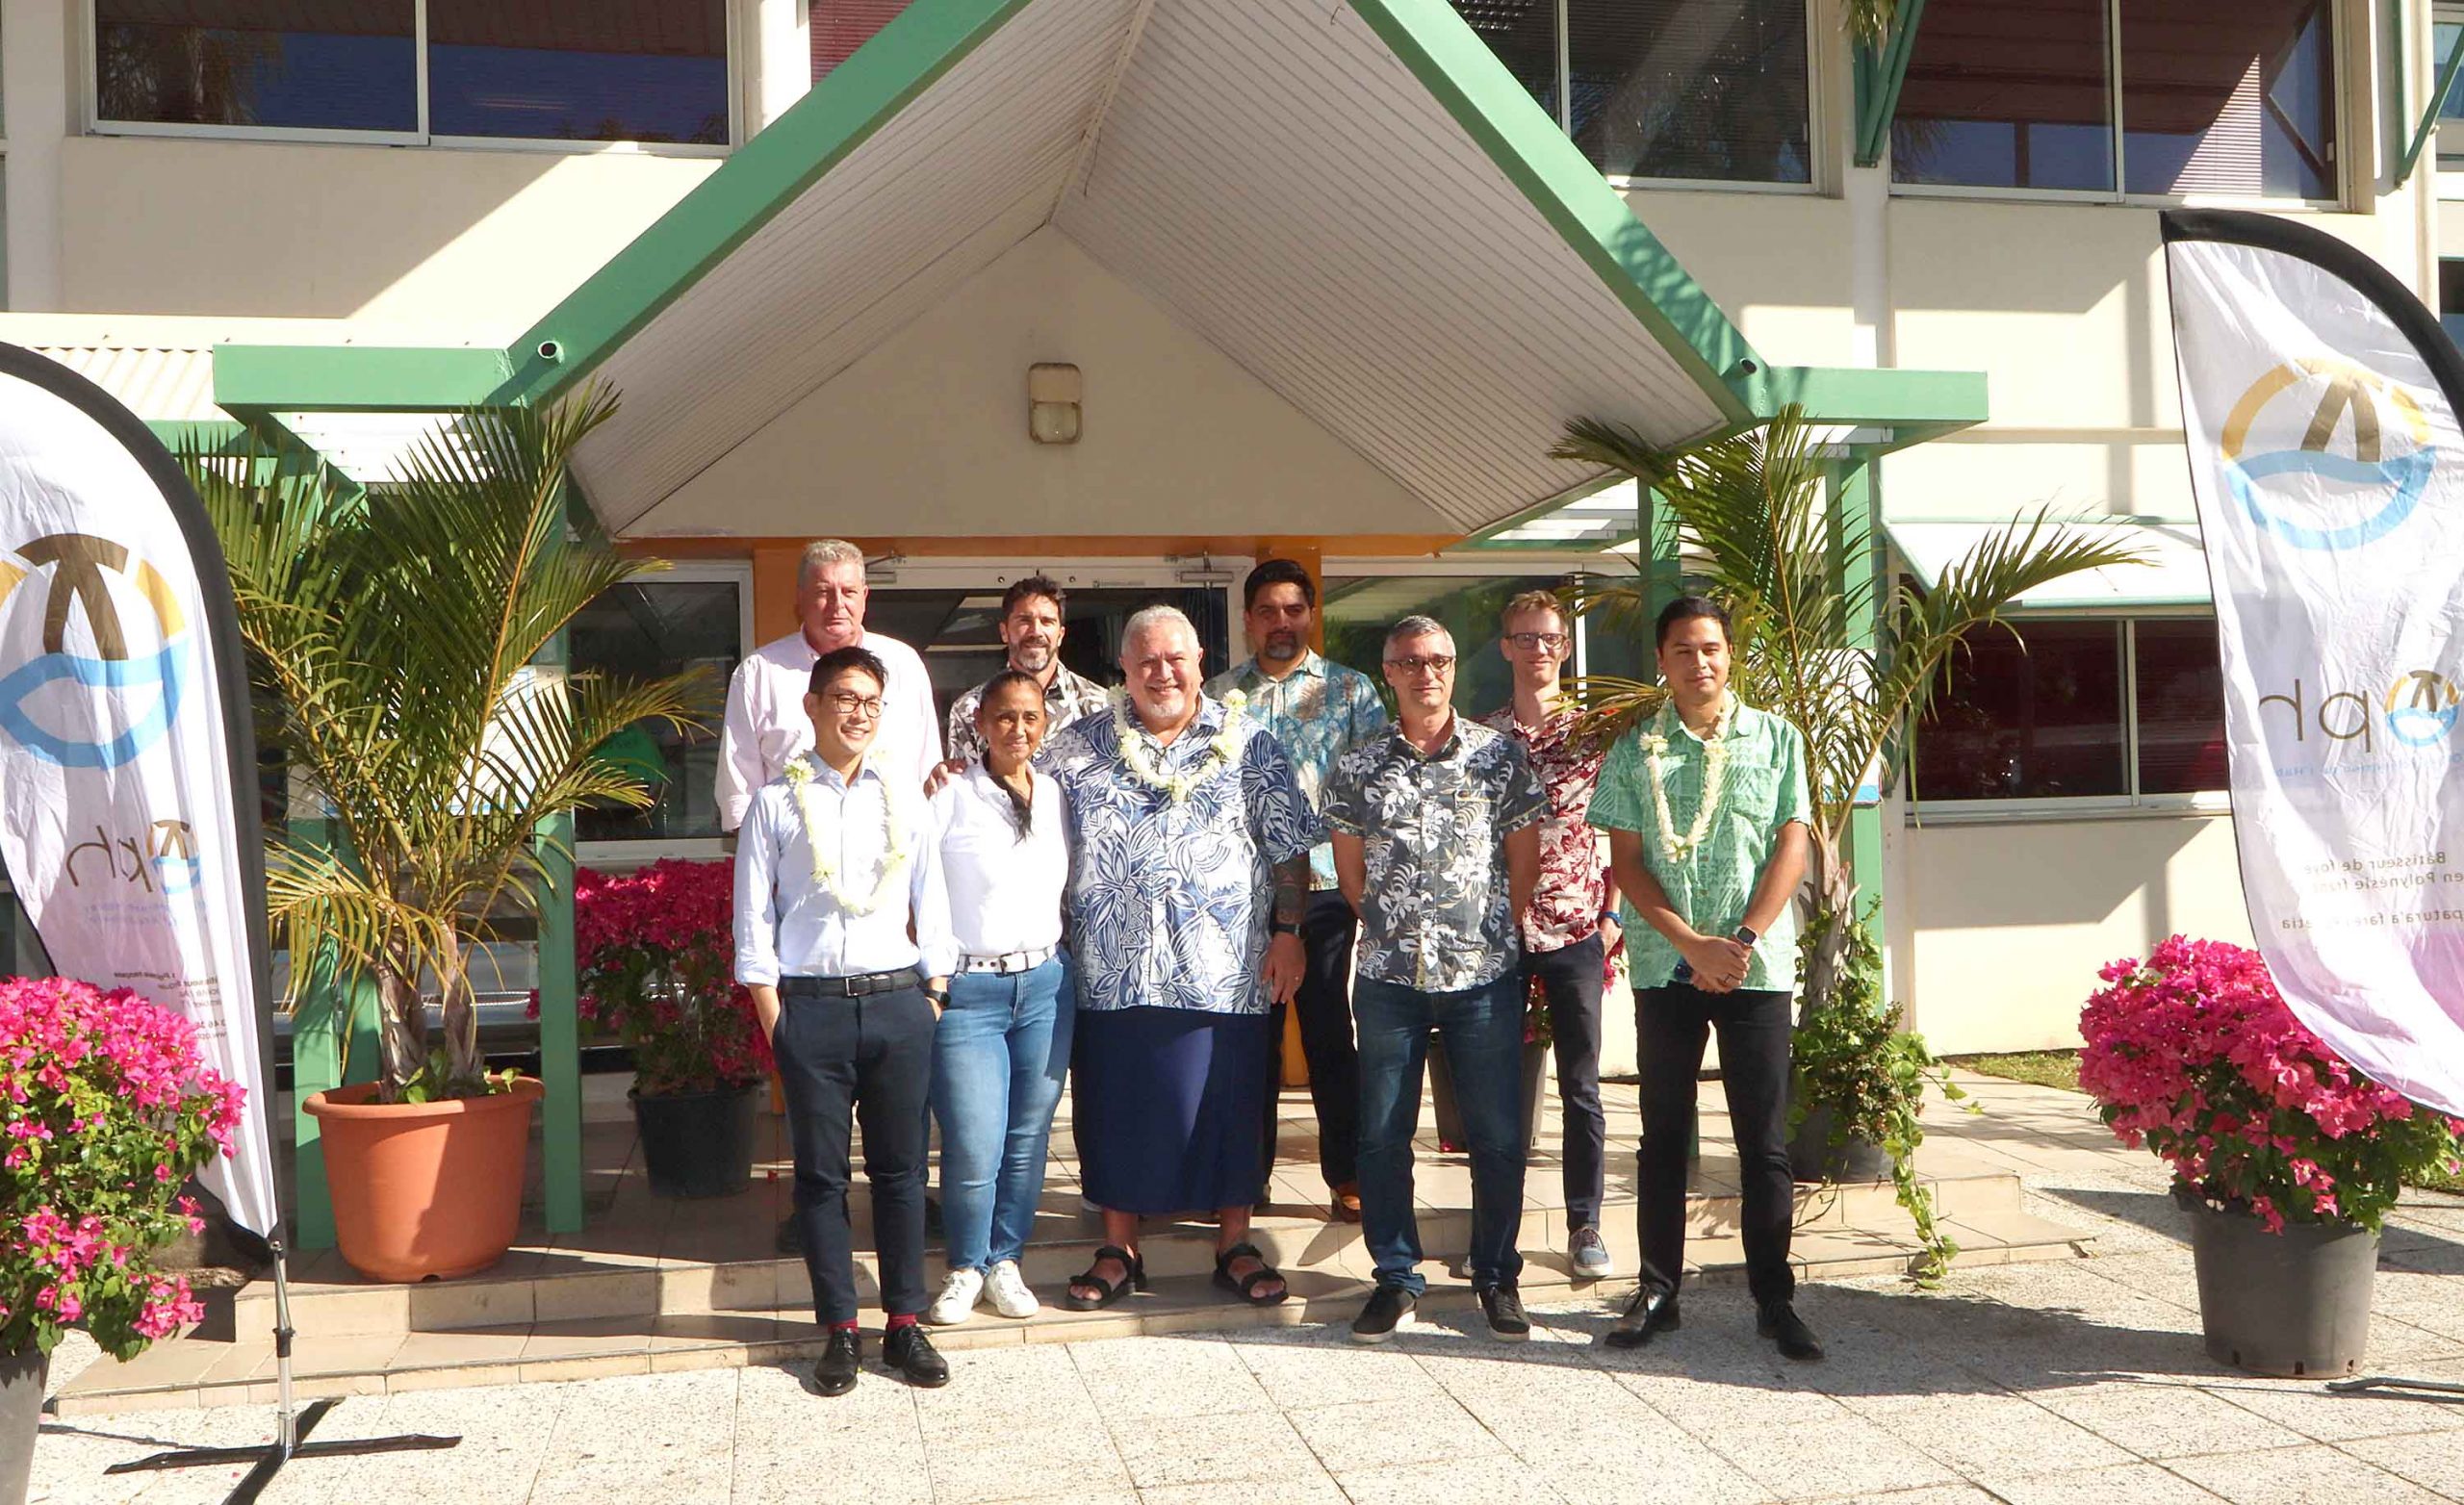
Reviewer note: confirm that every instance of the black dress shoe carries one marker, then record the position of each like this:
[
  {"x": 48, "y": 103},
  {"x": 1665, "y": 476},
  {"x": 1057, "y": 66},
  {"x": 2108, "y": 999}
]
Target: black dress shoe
[
  {"x": 840, "y": 1362},
  {"x": 1651, "y": 1313},
  {"x": 907, "y": 1353},
  {"x": 1778, "y": 1321}
]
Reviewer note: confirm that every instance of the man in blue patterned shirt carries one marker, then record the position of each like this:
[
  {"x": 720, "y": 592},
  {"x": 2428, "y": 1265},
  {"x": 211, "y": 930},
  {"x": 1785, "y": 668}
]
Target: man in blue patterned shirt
[
  {"x": 1437, "y": 841},
  {"x": 1189, "y": 872},
  {"x": 1316, "y": 709}
]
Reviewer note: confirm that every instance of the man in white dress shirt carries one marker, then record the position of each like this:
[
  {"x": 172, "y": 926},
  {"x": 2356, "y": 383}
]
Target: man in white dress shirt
[
  {"x": 765, "y": 724},
  {"x": 835, "y": 863}
]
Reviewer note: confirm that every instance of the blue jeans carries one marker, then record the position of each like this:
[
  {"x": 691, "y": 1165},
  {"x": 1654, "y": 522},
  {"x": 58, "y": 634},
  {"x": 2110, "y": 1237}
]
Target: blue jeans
[
  {"x": 1481, "y": 1030},
  {"x": 999, "y": 1056}
]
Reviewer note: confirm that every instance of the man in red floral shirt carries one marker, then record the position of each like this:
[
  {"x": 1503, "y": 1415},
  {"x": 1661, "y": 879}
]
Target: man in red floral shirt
[{"x": 1571, "y": 928}]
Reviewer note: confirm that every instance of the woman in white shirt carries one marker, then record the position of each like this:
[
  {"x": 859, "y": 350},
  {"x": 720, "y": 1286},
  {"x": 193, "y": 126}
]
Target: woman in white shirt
[{"x": 1002, "y": 1048}]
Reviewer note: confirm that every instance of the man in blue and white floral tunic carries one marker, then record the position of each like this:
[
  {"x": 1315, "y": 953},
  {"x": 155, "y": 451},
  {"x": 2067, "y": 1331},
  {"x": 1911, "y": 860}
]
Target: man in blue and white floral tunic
[
  {"x": 1189, "y": 875},
  {"x": 1437, "y": 840}
]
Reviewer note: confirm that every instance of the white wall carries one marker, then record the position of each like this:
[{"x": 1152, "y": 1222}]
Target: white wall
[{"x": 926, "y": 435}]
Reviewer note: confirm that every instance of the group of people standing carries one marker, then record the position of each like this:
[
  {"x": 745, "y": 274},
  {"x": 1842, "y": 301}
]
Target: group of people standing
[{"x": 1124, "y": 891}]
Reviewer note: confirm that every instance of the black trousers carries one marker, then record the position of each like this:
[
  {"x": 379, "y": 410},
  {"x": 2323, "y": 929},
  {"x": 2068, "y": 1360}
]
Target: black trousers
[
  {"x": 1570, "y": 979},
  {"x": 1671, "y": 1025},
  {"x": 1327, "y": 928},
  {"x": 844, "y": 1060}
]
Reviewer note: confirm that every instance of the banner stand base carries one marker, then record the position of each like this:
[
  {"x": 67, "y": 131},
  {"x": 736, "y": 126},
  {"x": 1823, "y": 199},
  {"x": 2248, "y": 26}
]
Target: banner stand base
[
  {"x": 2435, "y": 1392},
  {"x": 288, "y": 1443}
]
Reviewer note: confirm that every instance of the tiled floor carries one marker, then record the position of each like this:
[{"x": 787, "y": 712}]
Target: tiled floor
[
  {"x": 2078, "y": 1381},
  {"x": 654, "y": 1284}
]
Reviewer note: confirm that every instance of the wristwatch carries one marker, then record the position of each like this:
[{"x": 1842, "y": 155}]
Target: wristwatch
[
  {"x": 1610, "y": 917},
  {"x": 1282, "y": 928},
  {"x": 940, "y": 996},
  {"x": 1744, "y": 936}
]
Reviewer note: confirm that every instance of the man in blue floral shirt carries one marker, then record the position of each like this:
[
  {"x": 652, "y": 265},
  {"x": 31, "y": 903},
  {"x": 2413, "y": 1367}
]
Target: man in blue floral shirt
[
  {"x": 1189, "y": 871},
  {"x": 1316, "y": 709},
  {"x": 1437, "y": 841}
]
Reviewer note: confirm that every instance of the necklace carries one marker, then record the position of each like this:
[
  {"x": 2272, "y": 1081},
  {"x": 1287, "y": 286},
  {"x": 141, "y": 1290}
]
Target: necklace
[
  {"x": 1715, "y": 766},
  {"x": 1225, "y": 746},
  {"x": 800, "y": 776}
]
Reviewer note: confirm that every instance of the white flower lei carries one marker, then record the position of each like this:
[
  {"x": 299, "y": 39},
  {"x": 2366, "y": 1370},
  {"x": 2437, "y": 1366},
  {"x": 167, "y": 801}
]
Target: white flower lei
[
  {"x": 800, "y": 776},
  {"x": 1225, "y": 746},
  {"x": 1715, "y": 766}
]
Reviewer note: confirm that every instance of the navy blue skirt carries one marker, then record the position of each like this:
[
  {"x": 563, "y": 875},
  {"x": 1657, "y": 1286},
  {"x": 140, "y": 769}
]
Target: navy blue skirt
[{"x": 1166, "y": 1106}]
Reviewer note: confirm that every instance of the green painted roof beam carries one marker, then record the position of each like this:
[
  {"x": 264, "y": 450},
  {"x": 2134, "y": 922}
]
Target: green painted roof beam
[
  {"x": 1881, "y": 71},
  {"x": 353, "y": 378},
  {"x": 2411, "y": 156},
  {"x": 1881, "y": 397},
  {"x": 761, "y": 178},
  {"x": 1499, "y": 114}
]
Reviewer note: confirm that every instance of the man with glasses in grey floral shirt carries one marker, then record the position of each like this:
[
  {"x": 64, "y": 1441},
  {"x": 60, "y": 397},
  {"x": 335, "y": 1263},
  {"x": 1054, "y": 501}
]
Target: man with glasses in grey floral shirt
[{"x": 1436, "y": 830}]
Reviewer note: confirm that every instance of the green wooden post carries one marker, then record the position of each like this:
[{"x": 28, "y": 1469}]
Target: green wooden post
[
  {"x": 1856, "y": 534},
  {"x": 1664, "y": 576},
  {"x": 559, "y": 1019},
  {"x": 328, "y": 1006}
]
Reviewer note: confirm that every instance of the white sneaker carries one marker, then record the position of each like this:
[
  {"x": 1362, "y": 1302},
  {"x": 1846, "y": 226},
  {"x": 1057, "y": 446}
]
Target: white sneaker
[
  {"x": 1011, "y": 1296},
  {"x": 955, "y": 1303}
]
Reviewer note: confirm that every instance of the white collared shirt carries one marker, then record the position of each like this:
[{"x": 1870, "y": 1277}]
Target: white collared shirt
[
  {"x": 766, "y": 723},
  {"x": 1006, "y": 890},
  {"x": 787, "y": 924}
]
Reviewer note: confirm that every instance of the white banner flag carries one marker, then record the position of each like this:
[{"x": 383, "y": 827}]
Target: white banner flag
[
  {"x": 127, "y": 783},
  {"x": 2319, "y": 399}
]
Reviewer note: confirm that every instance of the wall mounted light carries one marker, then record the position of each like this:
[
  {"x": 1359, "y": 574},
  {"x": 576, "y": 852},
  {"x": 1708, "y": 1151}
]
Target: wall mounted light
[{"x": 1054, "y": 393}]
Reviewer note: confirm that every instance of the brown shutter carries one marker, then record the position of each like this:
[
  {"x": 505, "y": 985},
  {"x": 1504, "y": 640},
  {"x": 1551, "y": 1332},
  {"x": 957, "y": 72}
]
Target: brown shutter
[{"x": 842, "y": 26}]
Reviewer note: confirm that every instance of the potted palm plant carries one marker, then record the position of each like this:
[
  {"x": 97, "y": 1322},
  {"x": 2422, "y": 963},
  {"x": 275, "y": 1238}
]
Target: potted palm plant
[
  {"x": 392, "y": 636},
  {"x": 1754, "y": 531}
]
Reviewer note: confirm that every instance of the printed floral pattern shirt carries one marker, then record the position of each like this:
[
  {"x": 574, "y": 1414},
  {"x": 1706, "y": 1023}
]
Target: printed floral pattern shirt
[
  {"x": 1067, "y": 697},
  {"x": 1170, "y": 899},
  {"x": 1435, "y": 913},
  {"x": 1316, "y": 712},
  {"x": 1574, "y": 871},
  {"x": 1763, "y": 790}
]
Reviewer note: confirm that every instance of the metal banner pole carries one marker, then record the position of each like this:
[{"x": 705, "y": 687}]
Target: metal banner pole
[{"x": 291, "y": 1429}]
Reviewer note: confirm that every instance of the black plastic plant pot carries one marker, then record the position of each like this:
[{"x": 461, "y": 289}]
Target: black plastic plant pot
[
  {"x": 696, "y": 1144},
  {"x": 2294, "y": 1303},
  {"x": 1813, "y": 1158}
]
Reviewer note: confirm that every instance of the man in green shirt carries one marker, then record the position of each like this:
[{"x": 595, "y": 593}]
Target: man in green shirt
[{"x": 1708, "y": 821}]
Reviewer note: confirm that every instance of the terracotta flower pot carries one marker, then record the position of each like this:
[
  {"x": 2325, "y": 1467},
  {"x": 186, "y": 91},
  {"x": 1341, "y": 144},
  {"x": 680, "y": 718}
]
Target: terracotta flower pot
[{"x": 425, "y": 1189}]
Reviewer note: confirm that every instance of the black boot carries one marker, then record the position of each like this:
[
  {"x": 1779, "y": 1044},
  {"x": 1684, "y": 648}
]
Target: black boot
[
  {"x": 840, "y": 1362},
  {"x": 1652, "y": 1312}
]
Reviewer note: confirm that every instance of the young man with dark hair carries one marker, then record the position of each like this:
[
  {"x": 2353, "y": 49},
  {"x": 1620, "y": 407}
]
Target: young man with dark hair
[
  {"x": 1034, "y": 617},
  {"x": 1316, "y": 709},
  {"x": 842, "y": 935},
  {"x": 1708, "y": 820}
]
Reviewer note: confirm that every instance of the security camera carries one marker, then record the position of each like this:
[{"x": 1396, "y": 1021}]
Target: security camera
[{"x": 550, "y": 350}]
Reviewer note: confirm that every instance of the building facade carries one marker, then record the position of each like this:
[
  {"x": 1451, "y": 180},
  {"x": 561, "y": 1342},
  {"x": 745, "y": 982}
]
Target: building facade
[{"x": 1980, "y": 194}]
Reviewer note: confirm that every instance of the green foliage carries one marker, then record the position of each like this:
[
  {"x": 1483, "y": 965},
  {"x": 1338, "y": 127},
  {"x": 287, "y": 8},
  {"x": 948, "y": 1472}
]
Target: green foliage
[
  {"x": 392, "y": 637},
  {"x": 1851, "y": 1057}
]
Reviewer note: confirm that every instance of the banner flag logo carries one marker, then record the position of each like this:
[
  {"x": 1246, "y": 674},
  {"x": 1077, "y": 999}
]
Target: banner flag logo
[
  {"x": 128, "y": 784},
  {"x": 2320, "y": 404}
]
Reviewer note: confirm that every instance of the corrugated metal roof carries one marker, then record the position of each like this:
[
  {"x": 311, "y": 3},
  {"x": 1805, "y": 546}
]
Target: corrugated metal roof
[
  {"x": 1270, "y": 172},
  {"x": 158, "y": 384}
]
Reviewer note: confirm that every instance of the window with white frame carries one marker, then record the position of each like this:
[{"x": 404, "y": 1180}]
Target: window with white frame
[
  {"x": 2147, "y": 98},
  {"x": 2100, "y": 711},
  {"x": 2447, "y": 32},
  {"x": 416, "y": 71},
  {"x": 1705, "y": 90},
  {"x": 693, "y": 616}
]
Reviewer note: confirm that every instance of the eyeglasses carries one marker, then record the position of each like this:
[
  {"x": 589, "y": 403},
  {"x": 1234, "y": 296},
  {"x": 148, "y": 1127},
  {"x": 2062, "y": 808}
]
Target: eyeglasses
[
  {"x": 1435, "y": 663},
  {"x": 868, "y": 707},
  {"x": 1553, "y": 642}
]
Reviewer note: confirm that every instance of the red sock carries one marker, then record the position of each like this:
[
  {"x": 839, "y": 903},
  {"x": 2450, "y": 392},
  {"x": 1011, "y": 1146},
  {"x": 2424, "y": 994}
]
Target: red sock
[
  {"x": 848, "y": 1326},
  {"x": 897, "y": 1320}
]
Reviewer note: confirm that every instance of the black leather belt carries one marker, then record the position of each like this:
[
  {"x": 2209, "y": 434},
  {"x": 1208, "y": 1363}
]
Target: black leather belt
[{"x": 856, "y": 986}]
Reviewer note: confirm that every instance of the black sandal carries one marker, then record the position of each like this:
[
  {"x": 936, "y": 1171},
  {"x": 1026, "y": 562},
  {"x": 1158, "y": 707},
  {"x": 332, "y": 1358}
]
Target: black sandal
[
  {"x": 1112, "y": 1291},
  {"x": 1245, "y": 1287}
]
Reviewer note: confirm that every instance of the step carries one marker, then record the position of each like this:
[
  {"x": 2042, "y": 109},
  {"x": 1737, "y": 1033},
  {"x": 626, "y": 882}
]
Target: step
[
  {"x": 549, "y": 1286},
  {"x": 194, "y": 1372}
]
